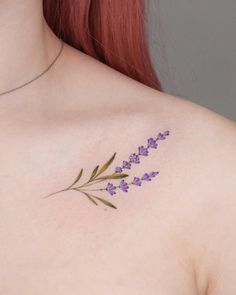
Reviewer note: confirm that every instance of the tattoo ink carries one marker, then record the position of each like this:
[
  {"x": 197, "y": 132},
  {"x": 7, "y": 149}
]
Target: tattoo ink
[{"x": 118, "y": 174}]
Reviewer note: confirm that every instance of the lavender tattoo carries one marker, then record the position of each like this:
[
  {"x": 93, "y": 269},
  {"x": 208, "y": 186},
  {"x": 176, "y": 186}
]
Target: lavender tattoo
[{"x": 111, "y": 189}]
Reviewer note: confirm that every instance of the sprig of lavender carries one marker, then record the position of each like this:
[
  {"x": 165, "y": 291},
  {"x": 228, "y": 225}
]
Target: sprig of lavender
[
  {"x": 124, "y": 186},
  {"x": 134, "y": 158},
  {"x": 97, "y": 174}
]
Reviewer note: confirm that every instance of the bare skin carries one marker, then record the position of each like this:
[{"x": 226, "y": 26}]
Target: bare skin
[{"x": 174, "y": 235}]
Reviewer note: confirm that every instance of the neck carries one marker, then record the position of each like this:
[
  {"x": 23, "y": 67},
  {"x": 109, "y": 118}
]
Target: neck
[{"x": 27, "y": 43}]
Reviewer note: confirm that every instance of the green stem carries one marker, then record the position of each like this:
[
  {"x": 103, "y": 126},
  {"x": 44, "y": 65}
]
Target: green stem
[
  {"x": 98, "y": 189},
  {"x": 101, "y": 189},
  {"x": 80, "y": 188},
  {"x": 90, "y": 183},
  {"x": 63, "y": 190}
]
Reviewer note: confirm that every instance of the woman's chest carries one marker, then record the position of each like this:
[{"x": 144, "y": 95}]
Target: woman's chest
[
  {"x": 62, "y": 248},
  {"x": 67, "y": 245}
]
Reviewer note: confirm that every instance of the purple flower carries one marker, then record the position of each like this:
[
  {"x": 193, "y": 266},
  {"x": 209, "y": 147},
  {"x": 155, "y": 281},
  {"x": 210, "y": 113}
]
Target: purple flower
[
  {"x": 137, "y": 181},
  {"x": 134, "y": 158},
  {"x": 118, "y": 170},
  {"x": 153, "y": 173},
  {"x": 160, "y": 136},
  {"x": 111, "y": 188},
  {"x": 143, "y": 151},
  {"x": 152, "y": 143},
  {"x": 146, "y": 176},
  {"x": 123, "y": 185},
  {"x": 166, "y": 133},
  {"x": 126, "y": 165}
]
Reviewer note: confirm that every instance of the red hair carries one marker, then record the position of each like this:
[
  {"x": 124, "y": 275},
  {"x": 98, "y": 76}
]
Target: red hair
[{"x": 109, "y": 30}]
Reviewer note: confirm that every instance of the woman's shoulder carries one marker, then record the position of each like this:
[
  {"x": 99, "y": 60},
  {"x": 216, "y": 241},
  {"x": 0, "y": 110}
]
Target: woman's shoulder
[
  {"x": 201, "y": 184},
  {"x": 82, "y": 74},
  {"x": 200, "y": 188},
  {"x": 197, "y": 184},
  {"x": 203, "y": 137}
]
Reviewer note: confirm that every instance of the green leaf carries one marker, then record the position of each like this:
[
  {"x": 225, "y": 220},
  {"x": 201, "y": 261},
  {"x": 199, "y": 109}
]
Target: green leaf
[
  {"x": 114, "y": 176},
  {"x": 106, "y": 165},
  {"x": 77, "y": 178},
  {"x": 91, "y": 199},
  {"x": 94, "y": 173},
  {"x": 105, "y": 202}
]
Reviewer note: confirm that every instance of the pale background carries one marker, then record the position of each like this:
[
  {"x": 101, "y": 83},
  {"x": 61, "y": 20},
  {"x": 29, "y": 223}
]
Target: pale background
[{"x": 193, "y": 47}]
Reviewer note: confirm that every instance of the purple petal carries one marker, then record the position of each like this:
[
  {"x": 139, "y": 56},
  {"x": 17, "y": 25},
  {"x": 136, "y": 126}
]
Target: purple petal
[
  {"x": 118, "y": 170},
  {"x": 134, "y": 158},
  {"x": 137, "y": 181},
  {"x": 160, "y": 136},
  {"x": 152, "y": 143},
  {"x": 153, "y": 173},
  {"x": 167, "y": 133},
  {"x": 111, "y": 188},
  {"x": 143, "y": 151},
  {"x": 146, "y": 177},
  {"x": 123, "y": 185},
  {"x": 126, "y": 165}
]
